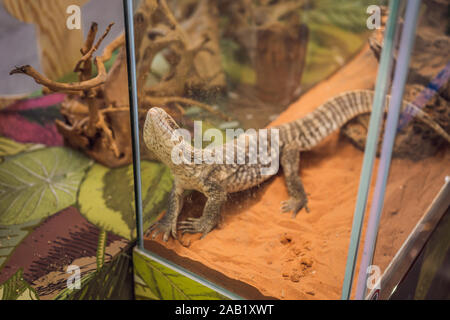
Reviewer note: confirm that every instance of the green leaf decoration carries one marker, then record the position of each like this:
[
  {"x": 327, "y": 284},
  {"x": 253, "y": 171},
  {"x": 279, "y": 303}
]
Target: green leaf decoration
[
  {"x": 142, "y": 291},
  {"x": 157, "y": 282},
  {"x": 16, "y": 288},
  {"x": 106, "y": 196},
  {"x": 10, "y": 147},
  {"x": 11, "y": 236},
  {"x": 37, "y": 184}
]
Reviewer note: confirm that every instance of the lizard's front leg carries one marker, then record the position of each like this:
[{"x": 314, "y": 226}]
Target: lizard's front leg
[
  {"x": 168, "y": 224},
  {"x": 290, "y": 161},
  {"x": 211, "y": 213}
]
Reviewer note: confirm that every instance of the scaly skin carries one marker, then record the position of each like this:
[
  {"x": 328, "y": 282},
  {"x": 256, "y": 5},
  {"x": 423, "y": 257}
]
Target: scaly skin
[{"x": 215, "y": 181}]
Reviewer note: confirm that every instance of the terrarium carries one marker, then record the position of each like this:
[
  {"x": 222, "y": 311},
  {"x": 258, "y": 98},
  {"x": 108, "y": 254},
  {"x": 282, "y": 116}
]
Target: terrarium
[{"x": 352, "y": 97}]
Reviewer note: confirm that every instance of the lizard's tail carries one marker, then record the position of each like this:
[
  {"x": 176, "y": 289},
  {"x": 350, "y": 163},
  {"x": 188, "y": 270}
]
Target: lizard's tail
[
  {"x": 415, "y": 111},
  {"x": 310, "y": 130}
]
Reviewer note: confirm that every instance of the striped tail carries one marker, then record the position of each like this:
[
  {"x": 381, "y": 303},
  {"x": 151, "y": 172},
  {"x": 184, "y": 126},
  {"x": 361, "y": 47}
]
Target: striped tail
[{"x": 310, "y": 130}]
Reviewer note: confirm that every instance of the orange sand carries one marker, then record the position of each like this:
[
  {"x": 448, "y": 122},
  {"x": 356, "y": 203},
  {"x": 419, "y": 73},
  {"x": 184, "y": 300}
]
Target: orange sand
[{"x": 304, "y": 258}]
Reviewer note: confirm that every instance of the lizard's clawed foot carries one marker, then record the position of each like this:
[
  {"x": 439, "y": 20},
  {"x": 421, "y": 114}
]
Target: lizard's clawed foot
[
  {"x": 294, "y": 205},
  {"x": 164, "y": 227},
  {"x": 197, "y": 225}
]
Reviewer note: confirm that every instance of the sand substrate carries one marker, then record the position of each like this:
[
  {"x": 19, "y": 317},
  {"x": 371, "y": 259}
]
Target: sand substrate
[{"x": 304, "y": 258}]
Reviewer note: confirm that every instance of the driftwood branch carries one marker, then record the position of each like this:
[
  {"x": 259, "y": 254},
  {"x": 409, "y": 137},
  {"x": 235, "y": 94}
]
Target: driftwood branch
[
  {"x": 64, "y": 87},
  {"x": 90, "y": 38},
  {"x": 86, "y": 69},
  {"x": 88, "y": 55},
  {"x": 110, "y": 48}
]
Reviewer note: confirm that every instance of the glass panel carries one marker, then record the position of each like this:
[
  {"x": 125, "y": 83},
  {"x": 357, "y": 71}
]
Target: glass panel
[
  {"x": 218, "y": 65},
  {"x": 421, "y": 160}
]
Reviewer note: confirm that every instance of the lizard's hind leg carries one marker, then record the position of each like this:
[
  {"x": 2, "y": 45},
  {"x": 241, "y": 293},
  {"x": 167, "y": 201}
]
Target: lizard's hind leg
[
  {"x": 290, "y": 161},
  {"x": 168, "y": 224}
]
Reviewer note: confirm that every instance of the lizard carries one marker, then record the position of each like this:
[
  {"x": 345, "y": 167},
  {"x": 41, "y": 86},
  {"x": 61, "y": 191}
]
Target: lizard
[{"x": 216, "y": 181}]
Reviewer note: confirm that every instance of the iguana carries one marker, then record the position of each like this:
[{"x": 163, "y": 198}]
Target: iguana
[{"x": 216, "y": 181}]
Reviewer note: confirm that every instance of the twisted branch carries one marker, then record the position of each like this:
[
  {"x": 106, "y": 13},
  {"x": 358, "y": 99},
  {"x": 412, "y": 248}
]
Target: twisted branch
[
  {"x": 88, "y": 55},
  {"x": 110, "y": 48},
  {"x": 64, "y": 87}
]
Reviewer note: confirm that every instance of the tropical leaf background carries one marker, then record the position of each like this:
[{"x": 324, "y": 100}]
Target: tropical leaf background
[
  {"x": 45, "y": 187},
  {"x": 106, "y": 196},
  {"x": 39, "y": 194},
  {"x": 38, "y": 184}
]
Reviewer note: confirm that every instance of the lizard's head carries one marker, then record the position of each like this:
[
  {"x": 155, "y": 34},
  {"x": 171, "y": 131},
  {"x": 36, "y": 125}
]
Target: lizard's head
[
  {"x": 161, "y": 122},
  {"x": 158, "y": 131}
]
